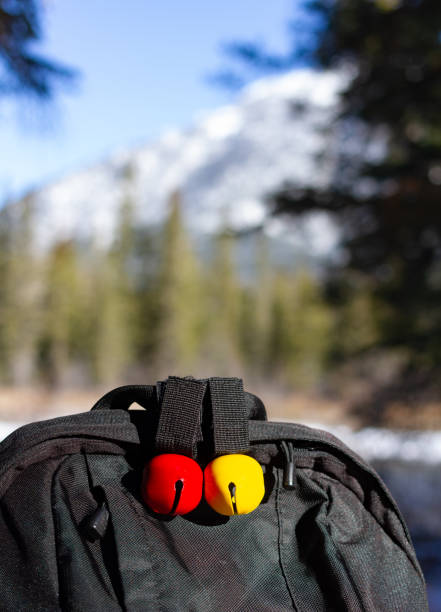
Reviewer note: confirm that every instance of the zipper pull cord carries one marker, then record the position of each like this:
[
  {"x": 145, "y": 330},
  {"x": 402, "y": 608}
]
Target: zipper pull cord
[
  {"x": 95, "y": 525},
  {"x": 289, "y": 468}
]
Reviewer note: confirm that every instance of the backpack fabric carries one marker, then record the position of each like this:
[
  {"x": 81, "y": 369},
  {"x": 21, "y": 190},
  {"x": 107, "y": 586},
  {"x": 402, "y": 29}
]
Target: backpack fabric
[{"x": 75, "y": 534}]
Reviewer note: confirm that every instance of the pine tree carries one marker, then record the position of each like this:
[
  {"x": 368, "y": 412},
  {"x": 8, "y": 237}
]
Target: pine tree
[
  {"x": 280, "y": 343},
  {"x": 263, "y": 303},
  {"x": 147, "y": 257},
  {"x": 61, "y": 331},
  {"x": 256, "y": 313},
  {"x": 6, "y": 232},
  {"x": 387, "y": 207},
  {"x": 20, "y": 293},
  {"x": 178, "y": 299},
  {"x": 23, "y": 70},
  {"x": 301, "y": 327},
  {"x": 114, "y": 315},
  {"x": 222, "y": 326},
  {"x": 393, "y": 234},
  {"x": 357, "y": 320},
  {"x": 313, "y": 322}
]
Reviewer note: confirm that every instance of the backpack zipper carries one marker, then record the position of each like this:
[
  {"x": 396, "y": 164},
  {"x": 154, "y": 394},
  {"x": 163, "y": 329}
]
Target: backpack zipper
[{"x": 289, "y": 468}]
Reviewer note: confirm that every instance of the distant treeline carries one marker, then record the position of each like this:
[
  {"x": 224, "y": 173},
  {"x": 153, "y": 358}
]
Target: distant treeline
[{"x": 147, "y": 306}]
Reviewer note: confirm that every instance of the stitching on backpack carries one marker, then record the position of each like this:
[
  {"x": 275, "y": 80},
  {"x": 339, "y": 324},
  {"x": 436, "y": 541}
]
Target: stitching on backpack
[
  {"x": 116, "y": 591},
  {"x": 280, "y": 538},
  {"x": 39, "y": 453},
  {"x": 333, "y": 460},
  {"x": 61, "y": 591},
  {"x": 154, "y": 560},
  {"x": 57, "y": 527},
  {"x": 347, "y": 572},
  {"x": 334, "y": 481}
]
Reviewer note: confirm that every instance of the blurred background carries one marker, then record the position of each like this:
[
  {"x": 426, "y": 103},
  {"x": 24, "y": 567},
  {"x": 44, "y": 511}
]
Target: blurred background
[{"x": 238, "y": 188}]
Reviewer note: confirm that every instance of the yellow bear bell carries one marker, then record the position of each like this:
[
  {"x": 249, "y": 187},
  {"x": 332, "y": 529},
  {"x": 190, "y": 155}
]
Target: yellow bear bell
[{"x": 233, "y": 484}]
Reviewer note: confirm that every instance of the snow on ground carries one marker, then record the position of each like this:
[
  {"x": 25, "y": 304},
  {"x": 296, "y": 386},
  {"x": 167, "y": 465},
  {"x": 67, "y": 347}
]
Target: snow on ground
[
  {"x": 381, "y": 444},
  {"x": 7, "y": 427},
  {"x": 374, "y": 443}
]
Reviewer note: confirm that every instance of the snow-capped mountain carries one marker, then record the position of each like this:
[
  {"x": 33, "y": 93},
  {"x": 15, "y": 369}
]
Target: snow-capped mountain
[{"x": 279, "y": 130}]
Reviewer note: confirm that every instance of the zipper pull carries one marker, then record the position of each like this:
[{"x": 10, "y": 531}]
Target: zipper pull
[
  {"x": 289, "y": 468},
  {"x": 96, "y": 524}
]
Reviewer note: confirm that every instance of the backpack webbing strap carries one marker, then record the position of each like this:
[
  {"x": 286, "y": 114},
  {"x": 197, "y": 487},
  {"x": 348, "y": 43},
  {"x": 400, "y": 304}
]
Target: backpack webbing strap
[
  {"x": 122, "y": 398},
  {"x": 179, "y": 426},
  {"x": 230, "y": 419}
]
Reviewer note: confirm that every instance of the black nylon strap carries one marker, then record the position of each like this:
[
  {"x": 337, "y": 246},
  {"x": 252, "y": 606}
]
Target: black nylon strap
[
  {"x": 179, "y": 426},
  {"x": 121, "y": 398},
  {"x": 230, "y": 419}
]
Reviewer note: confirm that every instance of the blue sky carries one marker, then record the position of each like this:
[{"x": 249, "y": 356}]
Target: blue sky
[{"x": 143, "y": 68}]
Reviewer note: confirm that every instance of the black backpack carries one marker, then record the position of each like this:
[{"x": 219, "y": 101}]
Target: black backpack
[{"x": 76, "y": 535}]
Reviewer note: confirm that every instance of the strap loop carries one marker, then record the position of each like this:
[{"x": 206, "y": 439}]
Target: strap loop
[
  {"x": 179, "y": 427},
  {"x": 230, "y": 418},
  {"x": 122, "y": 398}
]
